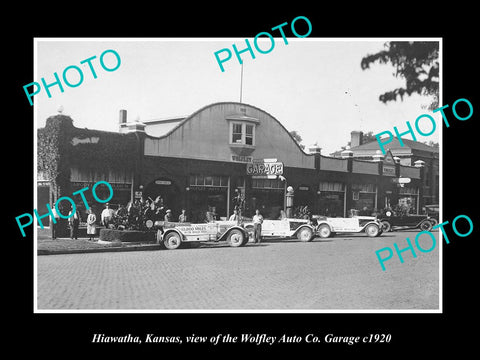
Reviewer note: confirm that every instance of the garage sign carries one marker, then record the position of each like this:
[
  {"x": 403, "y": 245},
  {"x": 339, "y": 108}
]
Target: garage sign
[{"x": 265, "y": 168}]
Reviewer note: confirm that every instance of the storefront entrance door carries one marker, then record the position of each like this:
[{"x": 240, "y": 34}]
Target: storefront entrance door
[{"x": 168, "y": 191}]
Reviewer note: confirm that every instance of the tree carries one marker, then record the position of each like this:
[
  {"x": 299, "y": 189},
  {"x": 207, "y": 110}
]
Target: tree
[
  {"x": 432, "y": 144},
  {"x": 415, "y": 61},
  {"x": 296, "y": 136}
]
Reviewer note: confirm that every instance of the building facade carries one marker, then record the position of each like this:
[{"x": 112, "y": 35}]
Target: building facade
[
  {"x": 220, "y": 156},
  {"x": 411, "y": 153}
]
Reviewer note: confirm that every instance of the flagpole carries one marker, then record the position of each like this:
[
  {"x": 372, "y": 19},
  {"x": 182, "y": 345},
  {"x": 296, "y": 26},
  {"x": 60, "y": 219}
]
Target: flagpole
[{"x": 241, "y": 82}]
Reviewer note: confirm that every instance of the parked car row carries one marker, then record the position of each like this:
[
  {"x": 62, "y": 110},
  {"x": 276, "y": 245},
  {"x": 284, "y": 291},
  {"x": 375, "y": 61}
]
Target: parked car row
[{"x": 172, "y": 235}]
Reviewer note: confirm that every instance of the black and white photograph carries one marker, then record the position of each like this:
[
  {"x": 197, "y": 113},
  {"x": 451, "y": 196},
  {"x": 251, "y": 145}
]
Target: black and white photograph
[
  {"x": 264, "y": 173},
  {"x": 296, "y": 181}
]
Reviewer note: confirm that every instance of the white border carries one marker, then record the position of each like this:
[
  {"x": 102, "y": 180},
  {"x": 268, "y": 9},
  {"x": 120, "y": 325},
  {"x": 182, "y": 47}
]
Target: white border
[{"x": 242, "y": 311}]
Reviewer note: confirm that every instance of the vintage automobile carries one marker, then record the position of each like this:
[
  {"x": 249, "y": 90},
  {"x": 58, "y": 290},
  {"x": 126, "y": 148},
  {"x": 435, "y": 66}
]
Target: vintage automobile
[
  {"x": 172, "y": 235},
  {"x": 286, "y": 228},
  {"x": 433, "y": 211},
  {"x": 391, "y": 221},
  {"x": 327, "y": 226}
]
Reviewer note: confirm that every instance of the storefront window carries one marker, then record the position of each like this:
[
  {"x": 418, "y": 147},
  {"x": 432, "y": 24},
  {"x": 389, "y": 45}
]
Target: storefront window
[
  {"x": 267, "y": 184},
  {"x": 408, "y": 199},
  {"x": 224, "y": 181},
  {"x": 363, "y": 196},
  {"x": 331, "y": 186},
  {"x": 94, "y": 175},
  {"x": 208, "y": 194},
  {"x": 409, "y": 190},
  {"x": 209, "y": 181},
  {"x": 240, "y": 183},
  {"x": 331, "y": 199}
]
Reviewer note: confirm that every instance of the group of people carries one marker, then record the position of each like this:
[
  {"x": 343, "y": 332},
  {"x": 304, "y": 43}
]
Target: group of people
[
  {"x": 257, "y": 223},
  {"x": 132, "y": 216},
  {"x": 136, "y": 213}
]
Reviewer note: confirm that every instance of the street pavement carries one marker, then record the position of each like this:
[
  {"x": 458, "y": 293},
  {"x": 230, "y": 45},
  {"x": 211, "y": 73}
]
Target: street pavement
[{"x": 340, "y": 273}]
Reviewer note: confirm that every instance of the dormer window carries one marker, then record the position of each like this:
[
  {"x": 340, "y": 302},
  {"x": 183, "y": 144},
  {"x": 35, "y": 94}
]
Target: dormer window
[{"x": 242, "y": 133}]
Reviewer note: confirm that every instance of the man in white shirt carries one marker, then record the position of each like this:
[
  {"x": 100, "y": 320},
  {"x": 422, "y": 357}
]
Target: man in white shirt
[
  {"x": 107, "y": 215},
  {"x": 257, "y": 226},
  {"x": 235, "y": 216}
]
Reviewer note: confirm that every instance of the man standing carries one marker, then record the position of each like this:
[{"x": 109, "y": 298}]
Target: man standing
[
  {"x": 168, "y": 216},
  {"x": 257, "y": 226},
  {"x": 73, "y": 222},
  {"x": 235, "y": 216},
  {"x": 91, "y": 228},
  {"x": 182, "y": 217},
  {"x": 107, "y": 215},
  {"x": 54, "y": 222}
]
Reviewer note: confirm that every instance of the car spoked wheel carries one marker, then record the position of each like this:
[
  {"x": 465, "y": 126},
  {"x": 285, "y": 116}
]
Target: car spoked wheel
[
  {"x": 236, "y": 238},
  {"x": 426, "y": 226},
  {"x": 305, "y": 234},
  {"x": 386, "y": 227},
  {"x": 172, "y": 241},
  {"x": 324, "y": 231},
  {"x": 372, "y": 230}
]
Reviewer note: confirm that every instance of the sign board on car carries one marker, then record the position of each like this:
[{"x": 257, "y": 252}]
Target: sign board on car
[{"x": 197, "y": 229}]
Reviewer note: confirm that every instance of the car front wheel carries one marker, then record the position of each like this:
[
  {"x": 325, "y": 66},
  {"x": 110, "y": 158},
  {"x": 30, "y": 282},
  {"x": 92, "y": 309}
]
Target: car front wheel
[
  {"x": 372, "y": 230},
  {"x": 426, "y": 225},
  {"x": 324, "y": 231},
  {"x": 236, "y": 238},
  {"x": 172, "y": 241}
]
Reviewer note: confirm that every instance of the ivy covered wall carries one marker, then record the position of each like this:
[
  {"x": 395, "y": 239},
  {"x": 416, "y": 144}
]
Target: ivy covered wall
[{"x": 62, "y": 146}]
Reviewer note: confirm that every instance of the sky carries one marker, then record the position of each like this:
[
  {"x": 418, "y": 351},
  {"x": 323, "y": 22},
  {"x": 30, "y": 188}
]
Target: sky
[{"x": 312, "y": 85}]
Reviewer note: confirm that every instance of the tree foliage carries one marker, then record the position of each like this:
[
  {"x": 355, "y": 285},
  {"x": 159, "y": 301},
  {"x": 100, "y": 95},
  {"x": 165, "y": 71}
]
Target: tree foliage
[
  {"x": 415, "y": 61},
  {"x": 432, "y": 143},
  {"x": 296, "y": 136}
]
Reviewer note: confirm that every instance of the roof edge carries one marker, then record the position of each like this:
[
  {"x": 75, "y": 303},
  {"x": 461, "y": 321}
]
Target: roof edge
[{"x": 188, "y": 118}]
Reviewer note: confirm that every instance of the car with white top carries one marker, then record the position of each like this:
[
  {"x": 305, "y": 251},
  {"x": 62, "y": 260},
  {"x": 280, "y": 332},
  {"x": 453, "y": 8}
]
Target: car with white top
[
  {"x": 302, "y": 229},
  {"x": 328, "y": 226},
  {"x": 172, "y": 235}
]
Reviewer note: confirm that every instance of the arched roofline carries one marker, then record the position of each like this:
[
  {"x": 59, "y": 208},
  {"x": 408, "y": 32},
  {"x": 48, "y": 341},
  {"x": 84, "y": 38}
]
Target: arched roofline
[{"x": 188, "y": 118}]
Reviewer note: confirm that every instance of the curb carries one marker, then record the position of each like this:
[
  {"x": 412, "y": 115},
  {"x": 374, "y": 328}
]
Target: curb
[{"x": 101, "y": 250}]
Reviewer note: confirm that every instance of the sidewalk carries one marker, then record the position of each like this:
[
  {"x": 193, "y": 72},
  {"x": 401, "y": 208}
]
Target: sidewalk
[
  {"x": 64, "y": 245},
  {"x": 47, "y": 246}
]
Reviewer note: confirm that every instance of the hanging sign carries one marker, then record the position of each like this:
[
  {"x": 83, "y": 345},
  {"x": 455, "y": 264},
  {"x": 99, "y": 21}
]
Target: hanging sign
[
  {"x": 163, "y": 182},
  {"x": 265, "y": 168}
]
